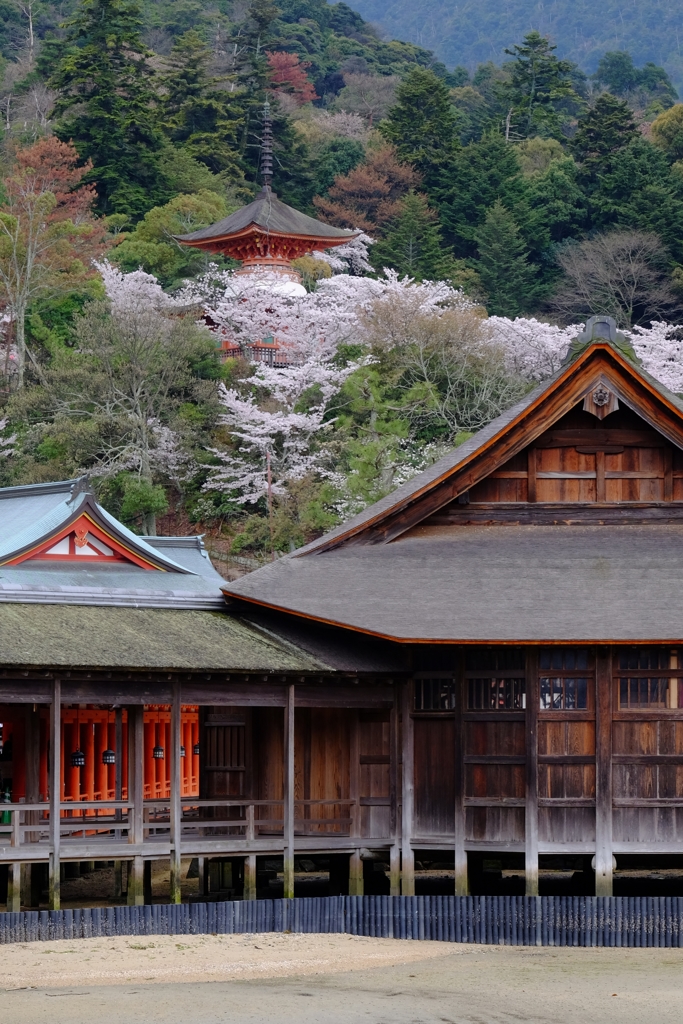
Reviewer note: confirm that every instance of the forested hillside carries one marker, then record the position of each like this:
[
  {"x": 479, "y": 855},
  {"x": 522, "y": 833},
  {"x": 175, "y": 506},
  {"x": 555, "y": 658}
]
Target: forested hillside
[
  {"x": 474, "y": 31},
  {"x": 496, "y": 211}
]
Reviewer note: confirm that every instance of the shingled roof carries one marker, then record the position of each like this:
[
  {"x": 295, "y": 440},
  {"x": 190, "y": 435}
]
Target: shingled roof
[
  {"x": 271, "y": 216},
  {"x": 389, "y": 573}
]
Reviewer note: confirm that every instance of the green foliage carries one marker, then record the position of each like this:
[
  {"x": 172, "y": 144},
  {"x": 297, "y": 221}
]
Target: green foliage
[
  {"x": 152, "y": 245},
  {"x": 424, "y": 125},
  {"x": 602, "y": 133},
  {"x": 540, "y": 90},
  {"x": 106, "y": 105},
  {"x": 141, "y": 499},
  {"x": 198, "y": 115},
  {"x": 413, "y": 244},
  {"x": 667, "y": 132},
  {"x": 477, "y": 176},
  {"x": 503, "y": 263},
  {"x": 619, "y": 74}
]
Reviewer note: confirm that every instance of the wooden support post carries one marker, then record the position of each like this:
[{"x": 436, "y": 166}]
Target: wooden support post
[
  {"x": 407, "y": 789},
  {"x": 531, "y": 474},
  {"x": 250, "y": 877},
  {"x": 461, "y": 883},
  {"x": 603, "y": 772},
  {"x": 118, "y": 795},
  {"x": 32, "y": 761},
  {"x": 668, "y": 474},
  {"x": 176, "y": 804},
  {"x": 55, "y": 793},
  {"x": 203, "y": 872},
  {"x": 250, "y": 859},
  {"x": 355, "y": 863},
  {"x": 394, "y": 825},
  {"x": 531, "y": 806},
  {"x": 14, "y": 886},
  {"x": 136, "y": 751},
  {"x": 288, "y": 827},
  {"x": 600, "y": 489}
]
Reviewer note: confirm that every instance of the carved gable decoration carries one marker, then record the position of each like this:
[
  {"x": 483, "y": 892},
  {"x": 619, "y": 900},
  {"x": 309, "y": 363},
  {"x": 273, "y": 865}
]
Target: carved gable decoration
[{"x": 83, "y": 541}]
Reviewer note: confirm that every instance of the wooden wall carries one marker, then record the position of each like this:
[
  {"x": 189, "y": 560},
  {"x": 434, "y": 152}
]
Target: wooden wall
[{"x": 583, "y": 460}]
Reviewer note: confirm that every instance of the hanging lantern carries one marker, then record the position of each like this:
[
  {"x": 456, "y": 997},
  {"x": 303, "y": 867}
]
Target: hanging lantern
[
  {"x": 182, "y": 751},
  {"x": 195, "y": 750},
  {"x": 78, "y": 759},
  {"x": 158, "y": 753},
  {"x": 108, "y": 756}
]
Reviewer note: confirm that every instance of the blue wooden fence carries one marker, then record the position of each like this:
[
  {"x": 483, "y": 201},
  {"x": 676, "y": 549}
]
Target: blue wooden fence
[{"x": 489, "y": 920}]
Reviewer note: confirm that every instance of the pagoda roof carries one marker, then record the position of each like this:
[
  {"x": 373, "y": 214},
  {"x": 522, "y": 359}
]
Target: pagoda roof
[{"x": 267, "y": 215}]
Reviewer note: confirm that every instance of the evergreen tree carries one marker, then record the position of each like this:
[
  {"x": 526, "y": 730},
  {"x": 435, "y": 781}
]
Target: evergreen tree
[
  {"x": 540, "y": 86},
  {"x": 413, "y": 245},
  {"x": 106, "y": 105},
  {"x": 477, "y": 176},
  {"x": 424, "y": 125},
  {"x": 506, "y": 275},
  {"x": 197, "y": 113},
  {"x": 605, "y": 130}
]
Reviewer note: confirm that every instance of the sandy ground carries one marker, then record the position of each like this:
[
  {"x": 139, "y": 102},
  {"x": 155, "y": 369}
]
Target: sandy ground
[
  {"x": 161, "y": 958},
  {"x": 297, "y": 979}
]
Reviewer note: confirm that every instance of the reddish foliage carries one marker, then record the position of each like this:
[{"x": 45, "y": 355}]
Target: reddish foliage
[
  {"x": 368, "y": 197},
  {"x": 288, "y": 74},
  {"x": 52, "y": 166}
]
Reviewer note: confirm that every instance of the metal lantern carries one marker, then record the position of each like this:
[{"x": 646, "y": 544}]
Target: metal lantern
[
  {"x": 182, "y": 751},
  {"x": 108, "y": 756},
  {"x": 195, "y": 750},
  {"x": 158, "y": 753},
  {"x": 78, "y": 759}
]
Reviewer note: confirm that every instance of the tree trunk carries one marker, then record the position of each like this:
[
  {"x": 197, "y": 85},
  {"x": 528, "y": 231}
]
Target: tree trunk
[{"x": 20, "y": 333}]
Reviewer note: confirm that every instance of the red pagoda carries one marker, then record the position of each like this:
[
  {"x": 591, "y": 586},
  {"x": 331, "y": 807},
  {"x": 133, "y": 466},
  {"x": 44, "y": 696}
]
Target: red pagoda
[{"x": 267, "y": 234}]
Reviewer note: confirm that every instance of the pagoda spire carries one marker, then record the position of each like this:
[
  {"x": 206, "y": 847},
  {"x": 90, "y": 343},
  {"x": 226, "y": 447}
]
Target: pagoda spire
[{"x": 266, "y": 162}]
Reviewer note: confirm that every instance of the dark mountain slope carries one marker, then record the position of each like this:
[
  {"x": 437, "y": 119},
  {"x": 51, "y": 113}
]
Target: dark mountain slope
[{"x": 469, "y": 32}]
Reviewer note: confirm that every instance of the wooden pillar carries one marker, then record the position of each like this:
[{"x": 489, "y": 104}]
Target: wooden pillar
[
  {"x": 55, "y": 793},
  {"x": 394, "y": 824},
  {"x": 135, "y": 796},
  {"x": 407, "y": 789},
  {"x": 531, "y": 806},
  {"x": 461, "y": 882},
  {"x": 14, "y": 886},
  {"x": 531, "y": 475},
  {"x": 603, "y": 772},
  {"x": 176, "y": 804},
  {"x": 250, "y": 877},
  {"x": 32, "y": 762},
  {"x": 288, "y": 829},
  {"x": 355, "y": 863},
  {"x": 118, "y": 795}
]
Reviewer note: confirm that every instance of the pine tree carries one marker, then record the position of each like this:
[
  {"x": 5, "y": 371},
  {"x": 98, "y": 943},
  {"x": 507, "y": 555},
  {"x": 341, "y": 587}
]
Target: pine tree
[
  {"x": 540, "y": 84},
  {"x": 603, "y": 132},
  {"x": 106, "y": 105},
  {"x": 197, "y": 114},
  {"x": 413, "y": 245},
  {"x": 506, "y": 275},
  {"x": 424, "y": 124}
]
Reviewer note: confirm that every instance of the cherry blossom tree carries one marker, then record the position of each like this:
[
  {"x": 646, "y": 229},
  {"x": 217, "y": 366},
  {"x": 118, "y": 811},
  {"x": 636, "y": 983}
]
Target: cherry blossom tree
[{"x": 278, "y": 427}]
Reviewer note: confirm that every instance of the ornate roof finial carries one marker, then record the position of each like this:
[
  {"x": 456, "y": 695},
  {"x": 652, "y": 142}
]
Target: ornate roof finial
[{"x": 267, "y": 148}]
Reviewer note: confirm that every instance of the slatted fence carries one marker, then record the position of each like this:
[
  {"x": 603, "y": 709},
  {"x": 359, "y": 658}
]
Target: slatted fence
[{"x": 643, "y": 921}]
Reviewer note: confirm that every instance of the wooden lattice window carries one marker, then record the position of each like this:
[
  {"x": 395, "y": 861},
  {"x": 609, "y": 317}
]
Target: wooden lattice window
[
  {"x": 564, "y": 679},
  {"x": 434, "y": 694},
  {"x": 639, "y": 683},
  {"x": 496, "y": 679}
]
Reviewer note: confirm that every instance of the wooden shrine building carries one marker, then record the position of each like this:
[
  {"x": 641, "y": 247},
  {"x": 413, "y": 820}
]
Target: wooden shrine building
[{"x": 486, "y": 665}]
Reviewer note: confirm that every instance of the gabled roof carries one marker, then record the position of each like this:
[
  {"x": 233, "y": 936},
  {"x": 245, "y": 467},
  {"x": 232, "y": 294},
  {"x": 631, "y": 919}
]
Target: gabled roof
[
  {"x": 147, "y": 572},
  {"x": 385, "y": 574},
  {"x": 270, "y": 216}
]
